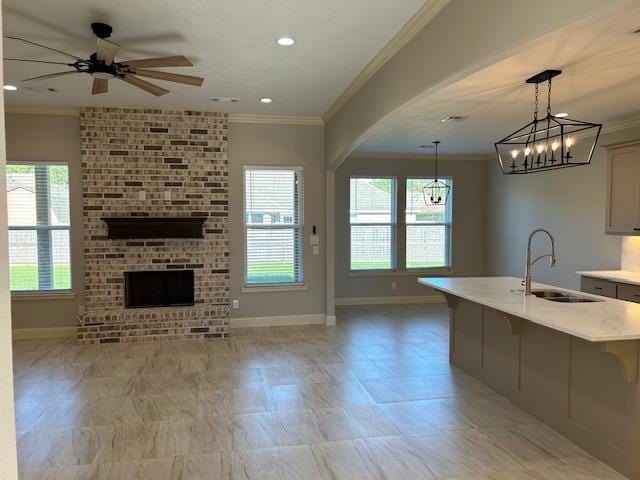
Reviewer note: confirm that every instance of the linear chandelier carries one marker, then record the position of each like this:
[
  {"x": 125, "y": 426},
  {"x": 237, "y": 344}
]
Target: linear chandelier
[{"x": 545, "y": 143}]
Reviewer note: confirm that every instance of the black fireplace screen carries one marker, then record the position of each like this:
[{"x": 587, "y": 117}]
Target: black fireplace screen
[{"x": 158, "y": 288}]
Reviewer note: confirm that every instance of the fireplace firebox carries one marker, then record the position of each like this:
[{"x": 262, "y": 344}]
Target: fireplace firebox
[{"x": 158, "y": 288}]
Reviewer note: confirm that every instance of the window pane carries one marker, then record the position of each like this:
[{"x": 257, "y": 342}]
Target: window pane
[
  {"x": 270, "y": 197},
  {"x": 38, "y": 197},
  {"x": 371, "y": 247},
  {"x": 271, "y": 256},
  {"x": 372, "y": 200},
  {"x": 427, "y": 246},
  {"x": 273, "y": 216},
  {"x": 417, "y": 211},
  {"x": 51, "y": 270}
]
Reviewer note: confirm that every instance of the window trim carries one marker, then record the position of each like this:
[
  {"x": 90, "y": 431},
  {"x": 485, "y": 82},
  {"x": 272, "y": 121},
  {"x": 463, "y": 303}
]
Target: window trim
[
  {"x": 393, "y": 225},
  {"x": 49, "y": 294},
  {"x": 264, "y": 287},
  {"x": 448, "y": 267}
]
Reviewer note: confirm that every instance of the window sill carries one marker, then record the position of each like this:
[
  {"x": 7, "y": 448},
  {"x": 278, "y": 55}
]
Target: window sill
[
  {"x": 275, "y": 288},
  {"x": 41, "y": 296},
  {"x": 430, "y": 272}
]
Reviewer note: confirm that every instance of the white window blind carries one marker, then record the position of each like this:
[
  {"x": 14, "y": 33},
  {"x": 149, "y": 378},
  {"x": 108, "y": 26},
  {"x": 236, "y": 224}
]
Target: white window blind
[
  {"x": 38, "y": 214},
  {"x": 428, "y": 228},
  {"x": 373, "y": 223},
  {"x": 273, "y": 202}
]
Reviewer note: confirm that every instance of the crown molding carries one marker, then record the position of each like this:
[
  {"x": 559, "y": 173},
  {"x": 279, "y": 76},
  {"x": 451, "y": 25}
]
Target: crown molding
[
  {"x": 64, "y": 111},
  {"x": 416, "y": 23},
  {"x": 616, "y": 126},
  {"x": 275, "y": 119},
  {"x": 412, "y": 156}
]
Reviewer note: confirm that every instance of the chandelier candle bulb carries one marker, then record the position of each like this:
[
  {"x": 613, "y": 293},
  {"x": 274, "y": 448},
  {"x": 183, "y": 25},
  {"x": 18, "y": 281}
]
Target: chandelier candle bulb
[{"x": 514, "y": 156}]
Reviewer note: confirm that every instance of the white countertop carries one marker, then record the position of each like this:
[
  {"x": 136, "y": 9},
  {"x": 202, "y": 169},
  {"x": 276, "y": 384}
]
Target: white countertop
[
  {"x": 595, "y": 321},
  {"x": 622, "y": 276}
]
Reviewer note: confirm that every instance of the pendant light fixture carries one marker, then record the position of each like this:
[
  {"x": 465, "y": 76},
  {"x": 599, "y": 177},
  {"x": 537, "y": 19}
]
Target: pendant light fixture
[
  {"x": 546, "y": 143},
  {"x": 436, "y": 192}
]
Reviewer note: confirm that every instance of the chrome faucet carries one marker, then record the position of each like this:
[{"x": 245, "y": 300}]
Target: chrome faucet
[{"x": 552, "y": 256}]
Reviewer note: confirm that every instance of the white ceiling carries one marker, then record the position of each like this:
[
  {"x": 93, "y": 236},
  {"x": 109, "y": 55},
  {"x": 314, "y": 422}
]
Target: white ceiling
[
  {"x": 600, "y": 60},
  {"x": 231, "y": 43}
]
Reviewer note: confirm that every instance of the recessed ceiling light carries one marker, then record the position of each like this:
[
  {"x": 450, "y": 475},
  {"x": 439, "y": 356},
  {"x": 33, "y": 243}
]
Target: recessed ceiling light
[
  {"x": 266, "y": 100},
  {"x": 285, "y": 41},
  {"x": 10, "y": 88},
  {"x": 561, "y": 115}
]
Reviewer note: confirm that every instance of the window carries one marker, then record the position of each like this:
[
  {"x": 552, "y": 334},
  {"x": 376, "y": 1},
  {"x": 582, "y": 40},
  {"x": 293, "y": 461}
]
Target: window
[
  {"x": 428, "y": 228},
  {"x": 38, "y": 214},
  {"x": 373, "y": 223},
  {"x": 273, "y": 202}
]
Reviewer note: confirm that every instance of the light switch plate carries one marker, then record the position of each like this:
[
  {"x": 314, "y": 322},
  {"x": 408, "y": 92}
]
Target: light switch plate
[
  {"x": 235, "y": 304},
  {"x": 315, "y": 240},
  {"x": 142, "y": 195},
  {"x": 167, "y": 194}
]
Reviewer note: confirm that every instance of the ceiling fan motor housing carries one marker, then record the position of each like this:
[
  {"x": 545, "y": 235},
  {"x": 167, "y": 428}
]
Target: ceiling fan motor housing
[{"x": 99, "y": 70}]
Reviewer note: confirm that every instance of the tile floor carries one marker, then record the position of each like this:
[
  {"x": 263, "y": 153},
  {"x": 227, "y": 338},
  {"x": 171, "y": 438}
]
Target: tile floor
[{"x": 373, "y": 398}]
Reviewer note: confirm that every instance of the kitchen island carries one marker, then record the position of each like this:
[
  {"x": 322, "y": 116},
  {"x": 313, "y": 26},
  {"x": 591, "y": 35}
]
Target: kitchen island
[{"x": 572, "y": 365}]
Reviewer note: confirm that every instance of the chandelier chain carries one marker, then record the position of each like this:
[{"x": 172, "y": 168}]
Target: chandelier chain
[
  {"x": 535, "y": 111},
  {"x": 549, "y": 100}
]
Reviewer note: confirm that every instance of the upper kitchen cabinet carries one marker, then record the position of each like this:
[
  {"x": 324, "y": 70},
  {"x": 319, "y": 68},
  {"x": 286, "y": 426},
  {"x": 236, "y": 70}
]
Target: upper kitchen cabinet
[{"x": 623, "y": 190}]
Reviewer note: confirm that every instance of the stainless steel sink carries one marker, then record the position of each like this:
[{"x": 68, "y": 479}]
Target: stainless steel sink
[
  {"x": 563, "y": 297},
  {"x": 547, "y": 294},
  {"x": 573, "y": 299}
]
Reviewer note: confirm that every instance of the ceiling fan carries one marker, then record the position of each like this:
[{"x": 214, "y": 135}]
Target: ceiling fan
[{"x": 102, "y": 66}]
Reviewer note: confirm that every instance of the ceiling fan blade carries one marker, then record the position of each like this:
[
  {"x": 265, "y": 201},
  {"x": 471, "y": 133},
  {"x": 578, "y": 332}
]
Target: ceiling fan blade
[
  {"x": 106, "y": 51},
  {"x": 38, "y": 61},
  {"x": 171, "y": 77},
  {"x": 48, "y": 48},
  {"x": 99, "y": 86},
  {"x": 144, "y": 85},
  {"x": 175, "y": 61},
  {"x": 50, "y": 75}
]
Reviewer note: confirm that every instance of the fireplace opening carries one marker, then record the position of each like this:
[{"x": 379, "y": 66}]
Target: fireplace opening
[{"x": 158, "y": 288}]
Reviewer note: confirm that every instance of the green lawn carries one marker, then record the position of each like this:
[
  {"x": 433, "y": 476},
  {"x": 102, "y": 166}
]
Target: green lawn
[
  {"x": 386, "y": 266},
  {"x": 25, "y": 277},
  {"x": 260, "y": 273}
]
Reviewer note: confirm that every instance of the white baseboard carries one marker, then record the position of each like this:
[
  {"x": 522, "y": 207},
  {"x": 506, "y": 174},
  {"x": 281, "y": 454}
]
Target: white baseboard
[
  {"x": 278, "y": 321},
  {"x": 330, "y": 320},
  {"x": 390, "y": 300},
  {"x": 42, "y": 333}
]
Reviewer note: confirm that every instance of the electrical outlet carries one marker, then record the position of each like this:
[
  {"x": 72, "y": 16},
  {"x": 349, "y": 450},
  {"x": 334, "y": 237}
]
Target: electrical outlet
[
  {"x": 316, "y": 250},
  {"x": 142, "y": 195},
  {"x": 394, "y": 285},
  {"x": 167, "y": 194},
  {"x": 235, "y": 304},
  {"x": 81, "y": 310}
]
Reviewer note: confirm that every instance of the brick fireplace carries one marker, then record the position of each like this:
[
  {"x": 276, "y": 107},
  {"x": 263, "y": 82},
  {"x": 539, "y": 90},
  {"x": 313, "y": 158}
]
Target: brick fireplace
[{"x": 154, "y": 164}]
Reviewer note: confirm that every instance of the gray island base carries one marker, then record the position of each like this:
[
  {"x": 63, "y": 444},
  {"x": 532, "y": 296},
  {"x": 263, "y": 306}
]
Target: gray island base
[{"x": 573, "y": 366}]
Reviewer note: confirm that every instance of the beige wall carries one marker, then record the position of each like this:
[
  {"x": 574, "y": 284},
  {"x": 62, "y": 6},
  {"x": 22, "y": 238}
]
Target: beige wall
[
  {"x": 46, "y": 138},
  {"x": 263, "y": 144},
  {"x": 468, "y": 227},
  {"x": 570, "y": 203},
  {"x": 8, "y": 454}
]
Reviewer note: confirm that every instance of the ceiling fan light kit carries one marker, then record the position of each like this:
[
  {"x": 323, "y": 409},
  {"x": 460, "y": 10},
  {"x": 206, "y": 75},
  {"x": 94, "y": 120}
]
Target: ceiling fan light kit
[
  {"x": 546, "y": 143},
  {"x": 102, "y": 66}
]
